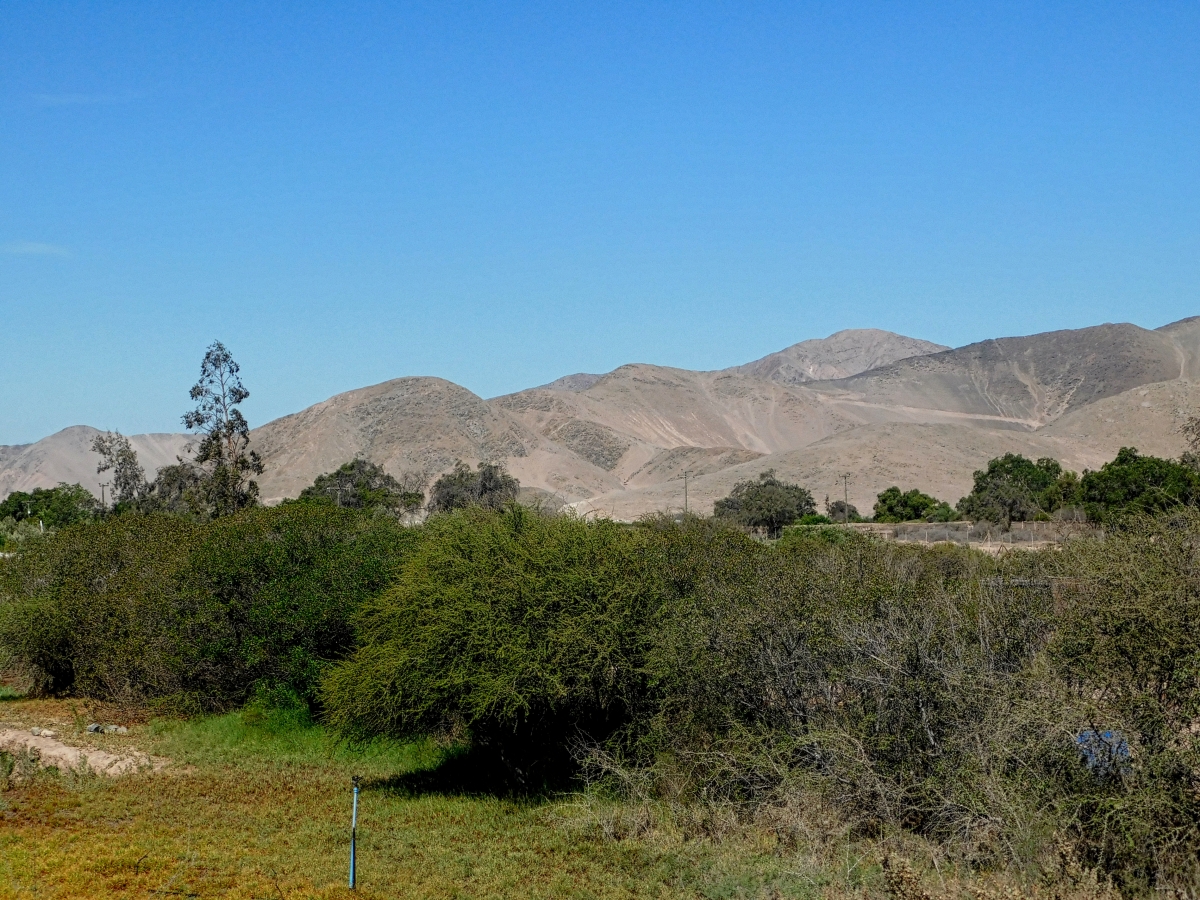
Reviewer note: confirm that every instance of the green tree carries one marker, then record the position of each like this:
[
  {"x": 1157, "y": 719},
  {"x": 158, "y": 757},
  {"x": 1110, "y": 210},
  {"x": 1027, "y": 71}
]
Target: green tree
[
  {"x": 841, "y": 511},
  {"x": 1132, "y": 483},
  {"x": 24, "y": 515},
  {"x": 894, "y": 505},
  {"x": 765, "y": 503},
  {"x": 180, "y": 489},
  {"x": 489, "y": 486},
  {"x": 1001, "y": 501},
  {"x": 1015, "y": 489},
  {"x": 118, "y": 456},
  {"x": 360, "y": 484},
  {"x": 224, "y": 453},
  {"x": 54, "y": 507}
]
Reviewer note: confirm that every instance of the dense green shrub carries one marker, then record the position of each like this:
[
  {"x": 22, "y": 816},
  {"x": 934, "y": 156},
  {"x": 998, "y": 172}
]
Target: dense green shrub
[
  {"x": 1015, "y": 489},
  {"x": 814, "y": 519},
  {"x": 361, "y": 484},
  {"x": 1133, "y": 484},
  {"x": 521, "y": 628},
  {"x": 988, "y": 704},
  {"x": 91, "y": 609},
  {"x": 158, "y": 609},
  {"x": 489, "y": 486},
  {"x": 894, "y": 505},
  {"x": 271, "y": 593},
  {"x": 14, "y": 534}
]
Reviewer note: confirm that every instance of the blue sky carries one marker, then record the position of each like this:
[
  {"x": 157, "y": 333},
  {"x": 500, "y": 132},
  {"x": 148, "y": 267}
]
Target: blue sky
[{"x": 502, "y": 194}]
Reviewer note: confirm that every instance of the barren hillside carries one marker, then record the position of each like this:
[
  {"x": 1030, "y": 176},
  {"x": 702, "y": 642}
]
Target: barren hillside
[
  {"x": 939, "y": 459},
  {"x": 840, "y": 355},
  {"x": 631, "y": 414},
  {"x": 899, "y": 411},
  {"x": 67, "y": 456},
  {"x": 1027, "y": 380},
  {"x": 414, "y": 425}
]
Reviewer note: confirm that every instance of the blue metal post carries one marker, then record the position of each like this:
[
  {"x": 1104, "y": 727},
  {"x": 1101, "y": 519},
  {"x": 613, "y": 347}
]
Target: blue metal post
[{"x": 353, "y": 835}]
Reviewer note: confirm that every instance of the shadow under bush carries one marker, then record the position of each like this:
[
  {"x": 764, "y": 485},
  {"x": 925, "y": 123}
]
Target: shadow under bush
[{"x": 477, "y": 768}]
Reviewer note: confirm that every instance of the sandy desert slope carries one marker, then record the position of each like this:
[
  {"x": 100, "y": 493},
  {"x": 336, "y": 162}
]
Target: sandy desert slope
[
  {"x": 841, "y": 355},
  {"x": 67, "y": 456},
  {"x": 939, "y": 459},
  {"x": 884, "y": 408}
]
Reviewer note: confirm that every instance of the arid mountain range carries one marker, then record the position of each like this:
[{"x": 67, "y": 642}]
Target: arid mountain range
[
  {"x": 67, "y": 456},
  {"x": 879, "y": 407}
]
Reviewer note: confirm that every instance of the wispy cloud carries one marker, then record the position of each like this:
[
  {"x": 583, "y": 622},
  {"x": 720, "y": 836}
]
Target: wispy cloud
[
  {"x": 87, "y": 99},
  {"x": 33, "y": 248}
]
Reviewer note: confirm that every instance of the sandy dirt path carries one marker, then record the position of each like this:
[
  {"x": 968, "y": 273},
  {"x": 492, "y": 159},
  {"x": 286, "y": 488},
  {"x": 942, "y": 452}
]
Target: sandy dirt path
[{"x": 52, "y": 752}]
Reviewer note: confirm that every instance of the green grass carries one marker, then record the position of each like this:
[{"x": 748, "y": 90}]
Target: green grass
[
  {"x": 257, "y": 736},
  {"x": 257, "y": 804}
]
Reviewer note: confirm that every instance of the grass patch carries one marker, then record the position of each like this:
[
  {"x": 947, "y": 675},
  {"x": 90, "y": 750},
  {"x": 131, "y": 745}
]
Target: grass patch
[
  {"x": 256, "y": 804},
  {"x": 265, "y": 738}
]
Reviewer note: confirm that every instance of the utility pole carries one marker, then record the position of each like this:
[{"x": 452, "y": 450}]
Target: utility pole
[
  {"x": 103, "y": 485},
  {"x": 686, "y": 473},
  {"x": 846, "y": 498}
]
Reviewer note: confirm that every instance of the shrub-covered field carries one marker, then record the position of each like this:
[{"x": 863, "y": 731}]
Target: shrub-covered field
[{"x": 1030, "y": 718}]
